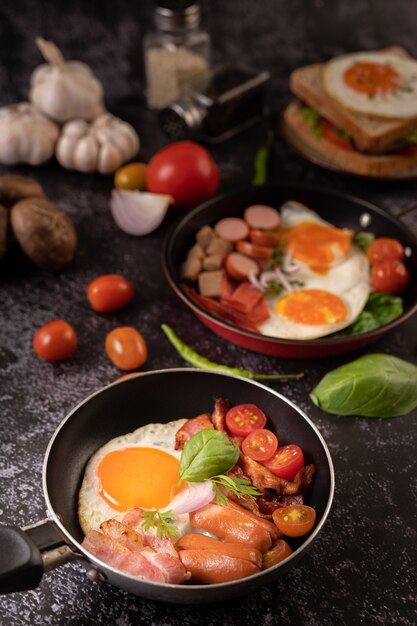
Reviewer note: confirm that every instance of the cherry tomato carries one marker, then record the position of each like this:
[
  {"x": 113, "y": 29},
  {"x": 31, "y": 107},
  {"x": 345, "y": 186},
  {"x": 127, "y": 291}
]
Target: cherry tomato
[
  {"x": 294, "y": 520},
  {"x": 260, "y": 444},
  {"x": 286, "y": 462},
  {"x": 184, "y": 170},
  {"x": 384, "y": 248},
  {"x": 276, "y": 554},
  {"x": 55, "y": 340},
  {"x": 109, "y": 292},
  {"x": 131, "y": 176},
  {"x": 332, "y": 134},
  {"x": 390, "y": 276},
  {"x": 126, "y": 348},
  {"x": 243, "y": 418},
  {"x": 128, "y": 375}
]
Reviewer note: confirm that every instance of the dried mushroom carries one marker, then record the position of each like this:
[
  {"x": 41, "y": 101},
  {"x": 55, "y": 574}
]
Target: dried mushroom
[
  {"x": 18, "y": 187},
  {"x": 4, "y": 219}
]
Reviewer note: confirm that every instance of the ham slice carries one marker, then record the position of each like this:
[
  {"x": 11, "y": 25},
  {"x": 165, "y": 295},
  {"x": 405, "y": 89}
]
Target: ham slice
[{"x": 190, "y": 428}]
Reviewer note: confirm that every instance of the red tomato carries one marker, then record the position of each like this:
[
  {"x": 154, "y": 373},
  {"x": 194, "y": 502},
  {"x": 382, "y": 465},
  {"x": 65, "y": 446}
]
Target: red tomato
[
  {"x": 390, "y": 276},
  {"x": 260, "y": 444},
  {"x": 286, "y": 462},
  {"x": 384, "y": 248},
  {"x": 126, "y": 348},
  {"x": 128, "y": 375},
  {"x": 55, "y": 340},
  {"x": 243, "y": 418},
  {"x": 109, "y": 292},
  {"x": 184, "y": 170},
  {"x": 276, "y": 554},
  {"x": 294, "y": 520},
  {"x": 332, "y": 134}
]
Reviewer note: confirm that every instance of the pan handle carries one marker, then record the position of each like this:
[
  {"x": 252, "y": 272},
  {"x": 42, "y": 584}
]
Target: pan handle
[{"x": 26, "y": 553}]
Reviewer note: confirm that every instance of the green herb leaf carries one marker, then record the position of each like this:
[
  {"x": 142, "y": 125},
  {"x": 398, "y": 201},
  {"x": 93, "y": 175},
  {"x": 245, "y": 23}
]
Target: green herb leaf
[
  {"x": 375, "y": 385},
  {"x": 363, "y": 240},
  {"x": 277, "y": 257},
  {"x": 380, "y": 309},
  {"x": 312, "y": 117},
  {"x": 208, "y": 453},
  {"x": 240, "y": 487},
  {"x": 164, "y": 522},
  {"x": 411, "y": 138}
]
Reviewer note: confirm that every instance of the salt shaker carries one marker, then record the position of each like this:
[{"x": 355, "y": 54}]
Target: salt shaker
[{"x": 175, "y": 51}]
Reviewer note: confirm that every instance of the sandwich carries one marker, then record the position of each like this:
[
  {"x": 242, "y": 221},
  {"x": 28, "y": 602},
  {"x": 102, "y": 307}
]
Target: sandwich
[{"x": 357, "y": 113}]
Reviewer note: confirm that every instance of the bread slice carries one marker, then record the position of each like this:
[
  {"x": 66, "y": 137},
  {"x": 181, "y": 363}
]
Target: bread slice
[
  {"x": 318, "y": 149},
  {"x": 370, "y": 134}
]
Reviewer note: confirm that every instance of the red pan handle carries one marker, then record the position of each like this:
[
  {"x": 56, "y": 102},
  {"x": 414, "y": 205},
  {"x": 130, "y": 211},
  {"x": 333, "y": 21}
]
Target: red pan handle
[{"x": 26, "y": 553}]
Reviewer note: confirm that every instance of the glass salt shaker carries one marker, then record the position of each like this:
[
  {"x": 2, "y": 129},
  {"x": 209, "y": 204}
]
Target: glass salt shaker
[{"x": 175, "y": 51}]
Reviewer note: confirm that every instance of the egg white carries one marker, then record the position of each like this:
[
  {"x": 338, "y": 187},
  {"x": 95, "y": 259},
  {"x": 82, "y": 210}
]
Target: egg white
[
  {"x": 400, "y": 103},
  {"x": 349, "y": 279},
  {"x": 92, "y": 508}
]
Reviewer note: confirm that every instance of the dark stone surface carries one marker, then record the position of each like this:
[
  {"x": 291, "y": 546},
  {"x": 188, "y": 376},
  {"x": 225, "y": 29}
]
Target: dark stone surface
[{"x": 362, "y": 569}]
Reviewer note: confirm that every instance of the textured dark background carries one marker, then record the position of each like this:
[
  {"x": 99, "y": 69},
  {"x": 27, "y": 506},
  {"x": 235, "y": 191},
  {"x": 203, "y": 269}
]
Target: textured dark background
[{"x": 362, "y": 569}]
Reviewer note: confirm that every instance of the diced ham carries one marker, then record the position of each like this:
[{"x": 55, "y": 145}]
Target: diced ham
[
  {"x": 213, "y": 262},
  {"x": 205, "y": 236},
  {"x": 190, "y": 428},
  {"x": 218, "y": 246},
  {"x": 210, "y": 283}
]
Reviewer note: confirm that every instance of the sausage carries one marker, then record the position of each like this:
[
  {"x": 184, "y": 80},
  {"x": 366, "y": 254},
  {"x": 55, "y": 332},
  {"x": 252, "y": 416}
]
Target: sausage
[
  {"x": 198, "y": 541},
  {"x": 264, "y": 238},
  {"x": 254, "y": 250},
  {"x": 239, "y": 266},
  {"x": 266, "y": 524},
  {"x": 232, "y": 229},
  {"x": 210, "y": 283},
  {"x": 210, "y": 567},
  {"x": 262, "y": 216},
  {"x": 231, "y": 526}
]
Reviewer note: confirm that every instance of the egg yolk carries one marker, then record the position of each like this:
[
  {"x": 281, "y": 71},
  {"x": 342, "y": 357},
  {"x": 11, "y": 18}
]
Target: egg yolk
[
  {"x": 317, "y": 245},
  {"x": 314, "y": 307},
  {"x": 371, "y": 78},
  {"x": 138, "y": 477}
]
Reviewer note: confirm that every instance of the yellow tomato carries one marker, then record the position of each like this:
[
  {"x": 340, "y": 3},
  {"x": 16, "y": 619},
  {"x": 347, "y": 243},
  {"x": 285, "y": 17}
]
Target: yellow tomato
[{"x": 131, "y": 176}]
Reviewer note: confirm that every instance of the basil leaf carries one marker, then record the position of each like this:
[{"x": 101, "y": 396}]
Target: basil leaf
[
  {"x": 363, "y": 240},
  {"x": 208, "y": 453},
  {"x": 380, "y": 309},
  {"x": 375, "y": 385}
]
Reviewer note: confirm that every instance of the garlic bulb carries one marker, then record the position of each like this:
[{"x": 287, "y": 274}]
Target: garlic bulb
[
  {"x": 102, "y": 146},
  {"x": 64, "y": 90},
  {"x": 26, "y": 135}
]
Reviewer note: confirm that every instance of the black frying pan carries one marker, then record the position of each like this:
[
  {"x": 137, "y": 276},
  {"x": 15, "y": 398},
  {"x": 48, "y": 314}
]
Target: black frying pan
[{"x": 120, "y": 408}]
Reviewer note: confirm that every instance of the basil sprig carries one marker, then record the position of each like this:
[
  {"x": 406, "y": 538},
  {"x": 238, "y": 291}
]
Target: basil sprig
[
  {"x": 206, "y": 454},
  {"x": 375, "y": 385},
  {"x": 381, "y": 308}
]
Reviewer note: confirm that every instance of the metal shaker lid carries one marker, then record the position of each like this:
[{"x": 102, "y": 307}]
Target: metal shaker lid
[{"x": 177, "y": 15}]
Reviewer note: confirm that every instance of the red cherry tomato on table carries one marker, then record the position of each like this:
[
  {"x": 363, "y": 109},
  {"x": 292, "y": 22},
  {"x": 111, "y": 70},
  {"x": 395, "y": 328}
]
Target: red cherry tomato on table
[
  {"x": 109, "y": 292},
  {"x": 294, "y": 520},
  {"x": 390, "y": 276},
  {"x": 126, "y": 348},
  {"x": 260, "y": 444},
  {"x": 276, "y": 554},
  {"x": 55, "y": 340},
  {"x": 286, "y": 462},
  {"x": 184, "y": 170},
  {"x": 383, "y": 248},
  {"x": 243, "y": 418}
]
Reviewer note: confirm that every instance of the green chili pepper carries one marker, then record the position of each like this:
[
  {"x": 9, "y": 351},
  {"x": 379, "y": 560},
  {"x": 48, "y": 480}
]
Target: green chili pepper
[
  {"x": 192, "y": 357},
  {"x": 260, "y": 164}
]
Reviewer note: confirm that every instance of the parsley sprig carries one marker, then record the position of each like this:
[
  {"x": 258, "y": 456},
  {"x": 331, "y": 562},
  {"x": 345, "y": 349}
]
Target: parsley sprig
[
  {"x": 165, "y": 524},
  {"x": 239, "y": 486}
]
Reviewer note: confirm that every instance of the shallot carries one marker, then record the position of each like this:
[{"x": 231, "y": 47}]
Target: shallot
[
  {"x": 191, "y": 498},
  {"x": 138, "y": 212}
]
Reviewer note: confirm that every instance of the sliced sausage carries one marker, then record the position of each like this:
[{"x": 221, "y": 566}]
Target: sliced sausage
[
  {"x": 210, "y": 283},
  {"x": 232, "y": 229},
  {"x": 231, "y": 526},
  {"x": 210, "y": 567},
  {"x": 262, "y": 216},
  {"x": 264, "y": 238},
  {"x": 239, "y": 266},
  {"x": 254, "y": 251},
  {"x": 198, "y": 541}
]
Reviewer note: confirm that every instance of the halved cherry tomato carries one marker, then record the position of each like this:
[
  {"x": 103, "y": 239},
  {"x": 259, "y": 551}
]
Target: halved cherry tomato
[
  {"x": 383, "y": 248},
  {"x": 260, "y": 444},
  {"x": 294, "y": 520},
  {"x": 332, "y": 134},
  {"x": 131, "y": 176},
  {"x": 276, "y": 554},
  {"x": 109, "y": 292},
  {"x": 243, "y": 418},
  {"x": 55, "y": 340},
  {"x": 286, "y": 462},
  {"x": 126, "y": 348},
  {"x": 390, "y": 276}
]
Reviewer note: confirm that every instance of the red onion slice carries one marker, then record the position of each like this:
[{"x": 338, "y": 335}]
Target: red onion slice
[
  {"x": 289, "y": 266},
  {"x": 191, "y": 498},
  {"x": 138, "y": 212}
]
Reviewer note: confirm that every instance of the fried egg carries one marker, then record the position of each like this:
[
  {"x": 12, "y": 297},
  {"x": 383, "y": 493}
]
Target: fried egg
[
  {"x": 139, "y": 469},
  {"x": 331, "y": 286},
  {"x": 377, "y": 84}
]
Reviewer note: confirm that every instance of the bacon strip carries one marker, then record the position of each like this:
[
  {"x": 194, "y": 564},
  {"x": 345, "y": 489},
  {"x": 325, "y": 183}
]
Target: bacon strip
[
  {"x": 218, "y": 417},
  {"x": 263, "y": 479},
  {"x": 190, "y": 428}
]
